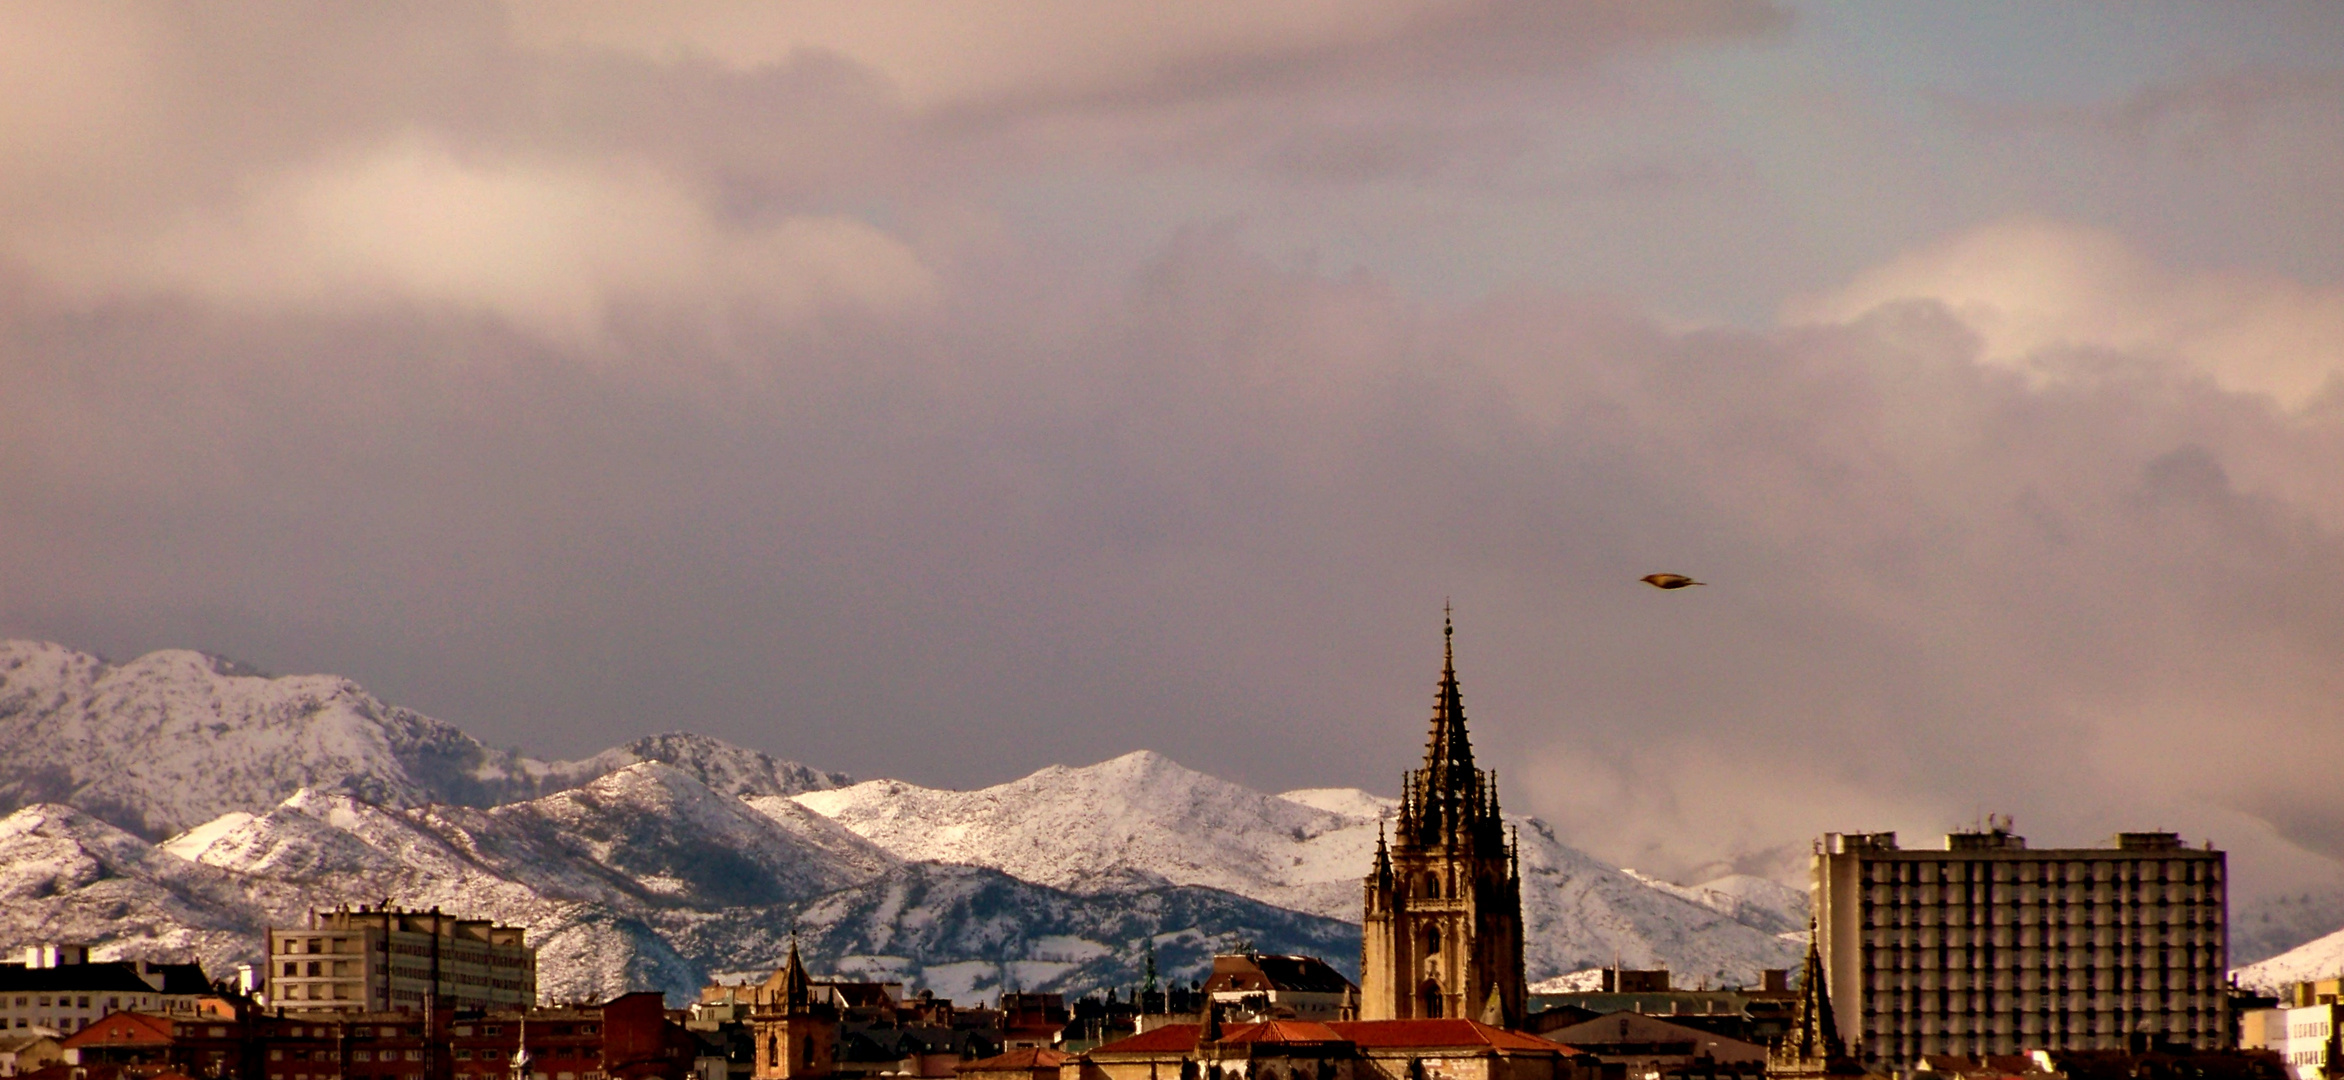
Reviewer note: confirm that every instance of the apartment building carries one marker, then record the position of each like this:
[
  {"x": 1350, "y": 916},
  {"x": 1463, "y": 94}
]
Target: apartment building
[
  {"x": 2302, "y": 1030},
  {"x": 1989, "y": 947},
  {"x": 57, "y": 989},
  {"x": 380, "y": 959}
]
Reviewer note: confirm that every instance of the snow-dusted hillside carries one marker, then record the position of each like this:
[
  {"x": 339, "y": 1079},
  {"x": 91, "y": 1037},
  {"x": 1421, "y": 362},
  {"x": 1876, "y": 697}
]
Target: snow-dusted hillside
[
  {"x": 2270, "y": 925},
  {"x": 2321, "y": 958},
  {"x": 643, "y": 879},
  {"x": 1752, "y": 901},
  {"x": 174, "y": 739},
  {"x": 66, "y": 876},
  {"x": 1142, "y": 817},
  {"x": 653, "y": 863}
]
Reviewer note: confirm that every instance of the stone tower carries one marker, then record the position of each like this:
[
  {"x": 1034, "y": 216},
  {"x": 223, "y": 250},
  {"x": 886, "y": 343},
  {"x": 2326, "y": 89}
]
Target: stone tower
[
  {"x": 1812, "y": 1047},
  {"x": 1443, "y": 919},
  {"x": 796, "y": 1035}
]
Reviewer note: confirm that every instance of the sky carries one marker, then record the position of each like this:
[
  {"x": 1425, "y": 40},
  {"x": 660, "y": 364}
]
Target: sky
[{"x": 945, "y": 391}]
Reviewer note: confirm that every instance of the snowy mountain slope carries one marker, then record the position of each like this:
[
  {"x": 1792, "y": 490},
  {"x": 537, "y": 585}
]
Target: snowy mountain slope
[
  {"x": 725, "y": 768},
  {"x": 66, "y": 876},
  {"x": 968, "y": 932},
  {"x": 643, "y": 879},
  {"x": 175, "y": 739},
  {"x": 2271, "y": 925},
  {"x": 1142, "y": 817},
  {"x": 1756, "y": 902},
  {"x": 2320, "y": 958},
  {"x": 1139, "y": 815}
]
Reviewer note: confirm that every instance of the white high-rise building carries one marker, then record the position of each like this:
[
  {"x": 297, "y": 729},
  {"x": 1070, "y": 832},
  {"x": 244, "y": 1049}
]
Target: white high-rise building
[{"x": 1987, "y": 947}]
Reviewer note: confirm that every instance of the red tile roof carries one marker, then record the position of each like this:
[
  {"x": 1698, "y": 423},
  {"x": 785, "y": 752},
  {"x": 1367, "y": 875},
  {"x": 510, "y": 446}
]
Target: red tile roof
[
  {"x": 1395, "y": 1034},
  {"x": 1279, "y": 1031},
  {"x": 1164, "y": 1040},
  {"x": 1366, "y": 1034},
  {"x": 123, "y": 1029},
  {"x": 1024, "y": 1059}
]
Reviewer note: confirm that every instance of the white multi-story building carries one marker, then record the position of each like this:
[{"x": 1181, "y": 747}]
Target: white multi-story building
[
  {"x": 1987, "y": 947},
  {"x": 56, "y": 989},
  {"x": 2302, "y": 1030},
  {"x": 389, "y": 959}
]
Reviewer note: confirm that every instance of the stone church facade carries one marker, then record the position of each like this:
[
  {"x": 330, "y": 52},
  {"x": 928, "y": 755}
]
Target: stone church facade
[{"x": 1443, "y": 918}]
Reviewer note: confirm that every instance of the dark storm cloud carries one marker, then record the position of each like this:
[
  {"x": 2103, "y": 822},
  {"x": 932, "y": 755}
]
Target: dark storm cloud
[{"x": 578, "y": 381}]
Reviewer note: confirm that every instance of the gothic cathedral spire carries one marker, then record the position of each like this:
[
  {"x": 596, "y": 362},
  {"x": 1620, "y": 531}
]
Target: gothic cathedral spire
[{"x": 1443, "y": 913}]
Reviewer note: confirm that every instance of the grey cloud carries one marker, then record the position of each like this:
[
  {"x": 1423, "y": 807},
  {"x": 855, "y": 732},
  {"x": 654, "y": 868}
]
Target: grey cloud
[
  {"x": 1212, "y": 516},
  {"x": 1057, "y": 509}
]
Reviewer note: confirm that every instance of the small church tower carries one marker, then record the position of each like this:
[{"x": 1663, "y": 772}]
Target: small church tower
[
  {"x": 796, "y": 1035},
  {"x": 1443, "y": 918}
]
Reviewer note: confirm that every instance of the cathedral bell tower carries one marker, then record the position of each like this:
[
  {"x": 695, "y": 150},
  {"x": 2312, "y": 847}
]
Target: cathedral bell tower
[
  {"x": 796, "y": 1034},
  {"x": 1443, "y": 919}
]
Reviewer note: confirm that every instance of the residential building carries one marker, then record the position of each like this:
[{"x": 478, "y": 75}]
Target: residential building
[
  {"x": 1753, "y": 1014},
  {"x": 20, "y": 1054},
  {"x": 1443, "y": 907},
  {"x": 1029, "y": 1063},
  {"x": 1637, "y": 1044},
  {"x": 57, "y": 989},
  {"x": 2302, "y": 1030},
  {"x": 145, "y": 1042},
  {"x": 1445, "y": 1049},
  {"x": 1281, "y": 987},
  {"x": 627, "y": 1038},
  {"x": 1989, "y": 948},
  {"x": 378, "y": 959}
]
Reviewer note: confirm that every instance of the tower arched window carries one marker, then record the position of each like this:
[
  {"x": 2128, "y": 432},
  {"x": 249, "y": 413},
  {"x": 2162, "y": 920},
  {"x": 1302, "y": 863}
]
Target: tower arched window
[
  {"x": 1432, "y": 940},
  {"x": 1429, "y": 995}
]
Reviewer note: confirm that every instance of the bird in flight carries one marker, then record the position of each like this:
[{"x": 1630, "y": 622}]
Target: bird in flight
[{"x": 1669, "y": 581}]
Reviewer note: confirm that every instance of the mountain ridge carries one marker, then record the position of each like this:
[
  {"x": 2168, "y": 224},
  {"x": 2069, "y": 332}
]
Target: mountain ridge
[{"x": 176, "y": 738}]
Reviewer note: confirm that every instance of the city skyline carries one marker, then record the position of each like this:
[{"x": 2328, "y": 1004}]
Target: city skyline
[{"x": 945, "y": 393}]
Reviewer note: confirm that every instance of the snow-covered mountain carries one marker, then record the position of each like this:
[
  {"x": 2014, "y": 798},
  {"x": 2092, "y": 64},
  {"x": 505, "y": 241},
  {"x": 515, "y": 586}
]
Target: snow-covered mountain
[
  {"x": 2267, "y": 926},
  {"x": 1143, "y": 817},
  {"x": 653, "y": 864},
  {"x": 2321, "y": 958},
  {"x": 175, "y": 739},
  {"x": 1747, "y": 899},
  {"x": 642, "y": 879}
]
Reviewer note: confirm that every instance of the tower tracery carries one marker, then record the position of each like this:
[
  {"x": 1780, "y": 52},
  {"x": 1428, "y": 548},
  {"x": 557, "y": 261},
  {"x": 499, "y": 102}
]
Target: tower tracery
[{"x": 1443, "y": 911}]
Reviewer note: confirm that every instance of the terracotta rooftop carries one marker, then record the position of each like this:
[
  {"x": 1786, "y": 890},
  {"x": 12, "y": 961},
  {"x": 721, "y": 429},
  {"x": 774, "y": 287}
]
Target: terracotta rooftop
[
  {"x": 1366, "y": 1034},
  {"x": 122, "y": 1029},
  {"x": 1170, "y": 1038},
  {"x": 1032, "y": 1057},
  {"x": 1279, "y": 1031},
  {"x": 1383, "y": 1034}
]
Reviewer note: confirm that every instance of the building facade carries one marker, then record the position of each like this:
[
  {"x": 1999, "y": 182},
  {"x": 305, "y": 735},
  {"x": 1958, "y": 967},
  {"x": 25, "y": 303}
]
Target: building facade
[
  {"x": 796, "y": 1034},
  {"x": 1987, "y": 947},
  {"x": 1443, "y": 908},
  {"x": 58, "y": 990},
  {"x": 2302, "y": 1030},
  {"x": 1269, "y": 987},
  {"x": 627, "y": 1038},
  {"x": 380, "y": 959}
]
